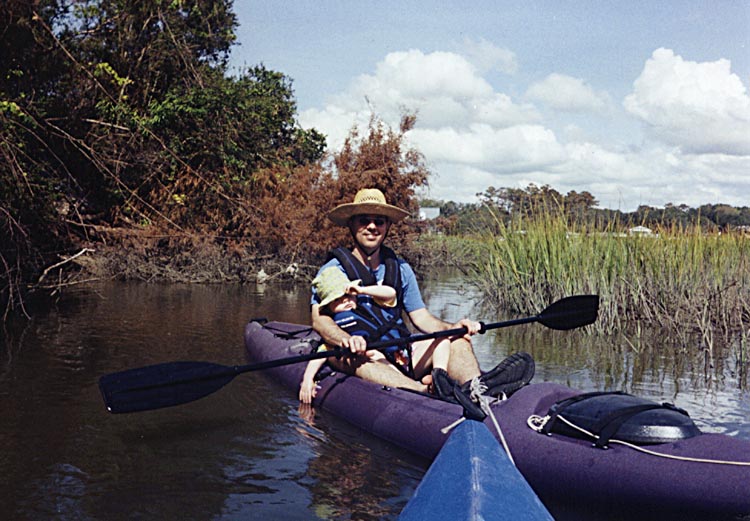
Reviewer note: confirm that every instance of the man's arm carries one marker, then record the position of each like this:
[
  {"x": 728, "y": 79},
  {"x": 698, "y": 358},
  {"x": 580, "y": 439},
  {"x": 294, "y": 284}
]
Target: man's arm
[
  {"x": 426, "y": 322},
  {"x": 333, "y": 335},
  {"x": 429, "y": 323},
  {"x": 326, "y": 327}
]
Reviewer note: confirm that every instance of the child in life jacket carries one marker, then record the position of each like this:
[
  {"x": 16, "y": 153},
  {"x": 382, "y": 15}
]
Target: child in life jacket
[{"x": 355, "y": 308}]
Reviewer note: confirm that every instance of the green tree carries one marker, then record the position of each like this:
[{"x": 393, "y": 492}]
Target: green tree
[{"x": 121, "y": 112}]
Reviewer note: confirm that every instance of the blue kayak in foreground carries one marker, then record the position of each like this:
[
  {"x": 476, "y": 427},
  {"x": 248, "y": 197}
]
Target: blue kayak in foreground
[{"x": 473, "y": 478}]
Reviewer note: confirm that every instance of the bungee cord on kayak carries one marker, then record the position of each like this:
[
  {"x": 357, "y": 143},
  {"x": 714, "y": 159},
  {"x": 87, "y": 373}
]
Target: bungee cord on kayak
[
  {"x": 485, "y": 402},
  {"x": 537, "y": 423}
]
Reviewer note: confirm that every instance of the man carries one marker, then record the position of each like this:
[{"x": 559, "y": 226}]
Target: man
[{"x": 369, "y": 218}]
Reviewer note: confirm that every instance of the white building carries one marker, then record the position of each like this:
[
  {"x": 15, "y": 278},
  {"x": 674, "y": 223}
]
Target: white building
[
  {"x": 429, "y": 213},
  {"x": 640, "y": 230}
]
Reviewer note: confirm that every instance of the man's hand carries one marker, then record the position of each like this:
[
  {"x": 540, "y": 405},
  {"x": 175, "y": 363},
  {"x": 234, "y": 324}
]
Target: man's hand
[
  {"x": 356, "y": 344},
  {"x": 472, "y": 327}
]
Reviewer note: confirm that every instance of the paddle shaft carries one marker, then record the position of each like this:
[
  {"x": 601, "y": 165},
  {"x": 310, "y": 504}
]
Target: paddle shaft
[
  {"x": 231, "y": 371},
  {"x": 566, "y": 313},
  {"x": 459, "y": 331},
  {"x": 219, "y": 371},
  {"x": 168, "y": 384}
]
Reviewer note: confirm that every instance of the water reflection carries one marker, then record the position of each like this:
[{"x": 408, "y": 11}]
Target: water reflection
[
  {"x": 247, "y": 451},
  {"x": 354, "y": 475}
]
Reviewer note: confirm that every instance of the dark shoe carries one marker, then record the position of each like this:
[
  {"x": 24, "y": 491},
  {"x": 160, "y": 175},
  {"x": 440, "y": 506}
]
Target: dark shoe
[
  {"x": 472, "y": 410},
  {"x": 443, "y": 385},
  {"x": 447, "y": 389},
  {"x": 508, "y": 376}
]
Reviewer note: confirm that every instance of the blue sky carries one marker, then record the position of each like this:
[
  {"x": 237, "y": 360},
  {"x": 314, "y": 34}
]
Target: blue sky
[{"x": 637, "y": 102}]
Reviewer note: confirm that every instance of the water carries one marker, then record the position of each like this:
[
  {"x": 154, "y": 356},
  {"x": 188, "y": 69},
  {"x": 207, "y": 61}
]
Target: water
[{"x": 246, "y": 452}]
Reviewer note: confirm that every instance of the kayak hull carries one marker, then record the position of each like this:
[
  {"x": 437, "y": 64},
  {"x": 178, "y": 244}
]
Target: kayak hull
[
  {"x": 561, "y": 470},
  {"x": 473, "y": 478}
]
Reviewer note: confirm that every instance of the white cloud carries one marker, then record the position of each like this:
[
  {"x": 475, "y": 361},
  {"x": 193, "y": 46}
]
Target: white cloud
[
  {"x": 574, "y": 133},
  {"x": 459, "y": 182},
  {"x": 568, "y": 94},
  {"x": 445, "y": 89},
  {"x": 654, "y": 176},
  {"x": 486, "y": 56},
  {"x": 413, "y": 74},
  {"x": 335, "y": 121},
  {"x": 521, "y": 148},
  {"x": 474, "y": 136},
  {"x": 699, "y": 107}
]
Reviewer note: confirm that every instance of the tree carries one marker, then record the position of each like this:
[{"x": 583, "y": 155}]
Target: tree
[
  {"x": 120, "y": 112},
  {"x": 379, "y": 159}
]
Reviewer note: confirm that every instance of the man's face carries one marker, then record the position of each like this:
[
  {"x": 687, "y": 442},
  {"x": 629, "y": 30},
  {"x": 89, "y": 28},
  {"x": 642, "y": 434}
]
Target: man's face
[{"x": 369, "y": 230}]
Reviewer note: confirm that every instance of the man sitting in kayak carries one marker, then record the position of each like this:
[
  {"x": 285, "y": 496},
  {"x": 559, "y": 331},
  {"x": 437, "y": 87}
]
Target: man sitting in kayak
[
  {"x": 357, "y": 309},
  {"x": 369, "y": 218}
]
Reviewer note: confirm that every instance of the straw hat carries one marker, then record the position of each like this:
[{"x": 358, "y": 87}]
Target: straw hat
[
  {"x": 331, "y": 284},
  {"x": 368, "y": 201}
]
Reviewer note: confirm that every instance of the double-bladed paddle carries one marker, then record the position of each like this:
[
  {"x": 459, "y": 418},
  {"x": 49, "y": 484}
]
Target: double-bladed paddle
[{"x": 173, "y": 383}]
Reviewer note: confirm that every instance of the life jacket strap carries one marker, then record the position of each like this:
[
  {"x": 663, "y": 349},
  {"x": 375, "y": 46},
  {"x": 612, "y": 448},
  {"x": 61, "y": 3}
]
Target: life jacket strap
[{"x": 354, "y": 269}]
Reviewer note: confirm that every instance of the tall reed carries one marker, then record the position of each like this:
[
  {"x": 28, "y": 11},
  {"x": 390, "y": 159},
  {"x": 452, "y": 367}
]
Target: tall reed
[{"x": 694, "y": 286}]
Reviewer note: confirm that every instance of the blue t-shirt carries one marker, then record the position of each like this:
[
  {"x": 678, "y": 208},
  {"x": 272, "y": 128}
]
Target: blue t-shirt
[{"x": 412, "y": 298}]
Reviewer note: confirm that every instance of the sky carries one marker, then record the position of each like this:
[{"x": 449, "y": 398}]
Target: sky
[{"x": 637, "y": 102}]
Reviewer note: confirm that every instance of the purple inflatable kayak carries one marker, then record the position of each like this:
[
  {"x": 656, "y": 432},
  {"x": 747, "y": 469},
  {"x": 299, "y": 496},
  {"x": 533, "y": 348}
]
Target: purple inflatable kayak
[{"x": 711, "y": 480}]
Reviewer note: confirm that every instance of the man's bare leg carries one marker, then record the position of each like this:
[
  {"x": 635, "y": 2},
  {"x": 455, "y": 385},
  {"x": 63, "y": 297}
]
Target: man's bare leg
[
  {"x": 462, "y": 365},
  {"x": 378, "y": 370}
]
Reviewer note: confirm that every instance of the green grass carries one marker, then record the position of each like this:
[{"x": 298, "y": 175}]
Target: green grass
[
  {"x": 693, "y": 286},
  {"x": 437, "y": 250}
]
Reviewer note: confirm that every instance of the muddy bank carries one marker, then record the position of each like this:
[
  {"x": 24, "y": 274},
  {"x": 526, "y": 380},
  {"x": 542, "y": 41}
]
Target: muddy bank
[
  {"x": 199, "y": 265},
  {"x": 131, "y": 257}
]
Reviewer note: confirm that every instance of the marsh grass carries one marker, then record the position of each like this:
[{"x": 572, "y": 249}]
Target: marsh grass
[
  {"x": 692, "y": 287},
  {"x": 437, "y": 250}
]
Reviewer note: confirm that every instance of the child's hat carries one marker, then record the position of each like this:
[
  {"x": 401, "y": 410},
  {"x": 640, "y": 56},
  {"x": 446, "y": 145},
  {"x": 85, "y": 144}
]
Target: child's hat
[{"x": 331, "y": 284}]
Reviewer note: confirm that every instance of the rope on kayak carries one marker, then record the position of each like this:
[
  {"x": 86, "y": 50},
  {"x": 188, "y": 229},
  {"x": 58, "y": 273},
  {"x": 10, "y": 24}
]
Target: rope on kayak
[
  {"x": 448, "y": 428},
  {"x": 478, "y": 390},
  {"x": 537, "y": 422}
]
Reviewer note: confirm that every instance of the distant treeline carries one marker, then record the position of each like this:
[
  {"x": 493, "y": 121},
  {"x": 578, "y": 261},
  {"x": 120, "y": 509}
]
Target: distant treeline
[{"x": 580, "y": 210}]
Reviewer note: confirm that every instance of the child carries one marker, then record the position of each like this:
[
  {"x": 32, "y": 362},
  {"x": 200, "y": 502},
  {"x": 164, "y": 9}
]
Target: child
[{"x": 355, "y": 309}]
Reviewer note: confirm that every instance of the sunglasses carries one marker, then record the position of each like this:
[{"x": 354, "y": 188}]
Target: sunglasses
[{"x": 363, "y": 220}]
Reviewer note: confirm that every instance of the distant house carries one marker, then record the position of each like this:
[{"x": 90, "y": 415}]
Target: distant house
[
  {"x": 429, "y": 213},
  {"x": 640, "y": 230}
]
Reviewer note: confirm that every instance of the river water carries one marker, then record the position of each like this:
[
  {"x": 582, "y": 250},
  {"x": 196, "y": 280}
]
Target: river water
[{"x": 246, "y": 451}]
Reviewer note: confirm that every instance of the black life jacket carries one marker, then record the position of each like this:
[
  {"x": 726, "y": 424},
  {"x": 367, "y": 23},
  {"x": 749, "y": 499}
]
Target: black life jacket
[
  {"x": 369, "y": 319},
  {"x": 356, "y": 270}
]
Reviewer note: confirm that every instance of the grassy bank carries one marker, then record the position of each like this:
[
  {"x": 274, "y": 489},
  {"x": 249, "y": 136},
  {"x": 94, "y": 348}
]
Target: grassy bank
[
  {"x": 431, "y": 251},
  {"x": 693, "y": 287}
]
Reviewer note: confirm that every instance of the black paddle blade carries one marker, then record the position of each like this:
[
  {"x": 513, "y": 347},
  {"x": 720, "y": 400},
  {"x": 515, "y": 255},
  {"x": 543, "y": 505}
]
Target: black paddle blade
[
  {"x": 162, "y": 385},
  {"x": 570, "y": 312}
]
